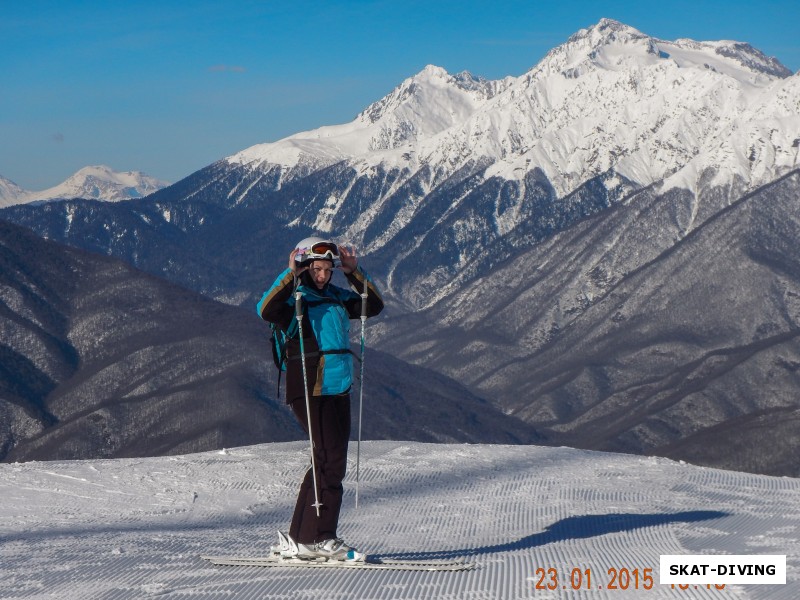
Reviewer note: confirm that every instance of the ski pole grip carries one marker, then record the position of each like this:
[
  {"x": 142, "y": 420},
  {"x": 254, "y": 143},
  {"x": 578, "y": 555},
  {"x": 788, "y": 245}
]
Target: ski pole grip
[
  {"x": 364, "y": 300},
  {"x": 298, "y": 308}
]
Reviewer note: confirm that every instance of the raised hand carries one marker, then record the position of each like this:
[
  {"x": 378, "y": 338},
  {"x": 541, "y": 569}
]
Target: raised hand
[
  {"x": 296, "y": 268},
  {"x": 347, "y": 256}
]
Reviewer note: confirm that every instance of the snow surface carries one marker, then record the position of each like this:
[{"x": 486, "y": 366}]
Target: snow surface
[{"x": 134, "y": 528}]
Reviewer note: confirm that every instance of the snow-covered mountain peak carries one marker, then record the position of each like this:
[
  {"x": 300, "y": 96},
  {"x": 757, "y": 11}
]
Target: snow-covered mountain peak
[
  {"x": 609, "y": 98},
  {"x": 420, "y": 108},
  {"x": 611, "y": 45},
  {"x": 431, "y": 90},
  {"x": 604, "y": 32},
  {"x": 424, "y": 106},
  {"x": 99, "y": 182},
  {"x": 10, "y": 192},
  {"x": 601, "y": 45},
  {"x": 612, "y": 97},
  {"x": 433, "y": 73}
]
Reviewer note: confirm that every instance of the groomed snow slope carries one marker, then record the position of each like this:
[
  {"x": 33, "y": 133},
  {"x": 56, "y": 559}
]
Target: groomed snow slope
[{"x": 135, "y": 528}]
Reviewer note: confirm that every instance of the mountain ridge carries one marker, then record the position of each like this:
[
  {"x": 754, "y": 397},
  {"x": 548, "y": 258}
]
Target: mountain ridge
[
  {"x": 97, "y": 182},
  {"x": 504, "y": 222},
  {"x": 701, "y": 335},
  {"x": 102, "y": 360},
  {"x": 608, "y": 46}
]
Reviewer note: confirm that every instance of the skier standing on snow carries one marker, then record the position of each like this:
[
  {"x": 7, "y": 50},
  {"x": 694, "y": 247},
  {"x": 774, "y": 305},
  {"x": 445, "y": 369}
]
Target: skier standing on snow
[{"x": 327, "y": 368}]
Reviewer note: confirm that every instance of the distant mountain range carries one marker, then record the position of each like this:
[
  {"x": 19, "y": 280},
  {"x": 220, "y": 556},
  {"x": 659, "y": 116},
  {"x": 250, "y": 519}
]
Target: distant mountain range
[
  {"x": 95, "y": 182},
  {"x": 533, "y": 236},
  {"x": 445, "y": 165},
  {"x": 99, "y": 359}
]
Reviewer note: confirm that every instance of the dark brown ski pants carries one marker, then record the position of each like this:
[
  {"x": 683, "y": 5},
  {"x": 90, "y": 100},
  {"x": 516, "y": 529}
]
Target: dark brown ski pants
[{"x": 330, "y": 427}]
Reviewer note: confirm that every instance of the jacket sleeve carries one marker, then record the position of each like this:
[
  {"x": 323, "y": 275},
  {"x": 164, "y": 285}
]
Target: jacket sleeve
[
  {"x": 357, "y": 279},
  {"x": 275, "y": 305}
]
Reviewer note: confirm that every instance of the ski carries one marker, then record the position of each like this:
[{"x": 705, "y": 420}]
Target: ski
[{"x": 368, "y": 563}]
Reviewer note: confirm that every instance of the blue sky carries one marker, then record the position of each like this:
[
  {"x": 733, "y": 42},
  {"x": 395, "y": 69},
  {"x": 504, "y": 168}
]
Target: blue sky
[{"x": 169, "y": 87}]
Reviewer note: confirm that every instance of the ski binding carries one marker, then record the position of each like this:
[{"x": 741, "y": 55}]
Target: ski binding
[{"x": 286, "y": 554}]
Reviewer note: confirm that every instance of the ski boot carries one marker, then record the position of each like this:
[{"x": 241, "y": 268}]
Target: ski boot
[{"x": 330, "y": 550}]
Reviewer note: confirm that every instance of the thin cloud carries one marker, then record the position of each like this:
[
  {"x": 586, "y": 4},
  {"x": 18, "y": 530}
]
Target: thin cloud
[{"x": 227, "y": 68}]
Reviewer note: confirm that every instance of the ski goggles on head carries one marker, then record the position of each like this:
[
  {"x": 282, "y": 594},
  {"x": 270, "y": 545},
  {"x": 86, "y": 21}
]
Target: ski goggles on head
[{"x": 318, "y": 251}]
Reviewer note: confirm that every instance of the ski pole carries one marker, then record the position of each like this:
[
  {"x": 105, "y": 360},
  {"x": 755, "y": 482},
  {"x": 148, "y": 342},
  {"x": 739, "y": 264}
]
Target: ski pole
[
  {"x": 298, "y": 297},
  {"x": 361, "y": 385}
]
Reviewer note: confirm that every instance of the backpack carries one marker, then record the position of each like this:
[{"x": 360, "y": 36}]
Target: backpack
[{"x": 278, "y": 339}]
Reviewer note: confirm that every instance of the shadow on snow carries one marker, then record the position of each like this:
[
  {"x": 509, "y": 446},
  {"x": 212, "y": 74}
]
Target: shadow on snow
[{"x": 571, "y": 528}]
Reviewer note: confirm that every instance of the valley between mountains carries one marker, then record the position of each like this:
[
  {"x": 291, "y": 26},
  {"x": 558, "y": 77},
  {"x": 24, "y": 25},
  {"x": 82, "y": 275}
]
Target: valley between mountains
[{"x": 601, "y": 253}]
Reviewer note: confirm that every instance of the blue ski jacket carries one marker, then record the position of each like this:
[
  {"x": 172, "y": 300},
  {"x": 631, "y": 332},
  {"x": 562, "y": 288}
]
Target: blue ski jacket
[{"x": 326, "y": 329}]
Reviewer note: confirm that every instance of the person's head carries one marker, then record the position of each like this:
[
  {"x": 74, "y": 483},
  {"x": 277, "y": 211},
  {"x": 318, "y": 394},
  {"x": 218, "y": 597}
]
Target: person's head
[
  {"x": 320, "y": 272},
  {"x": 320, "y": 257}
]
